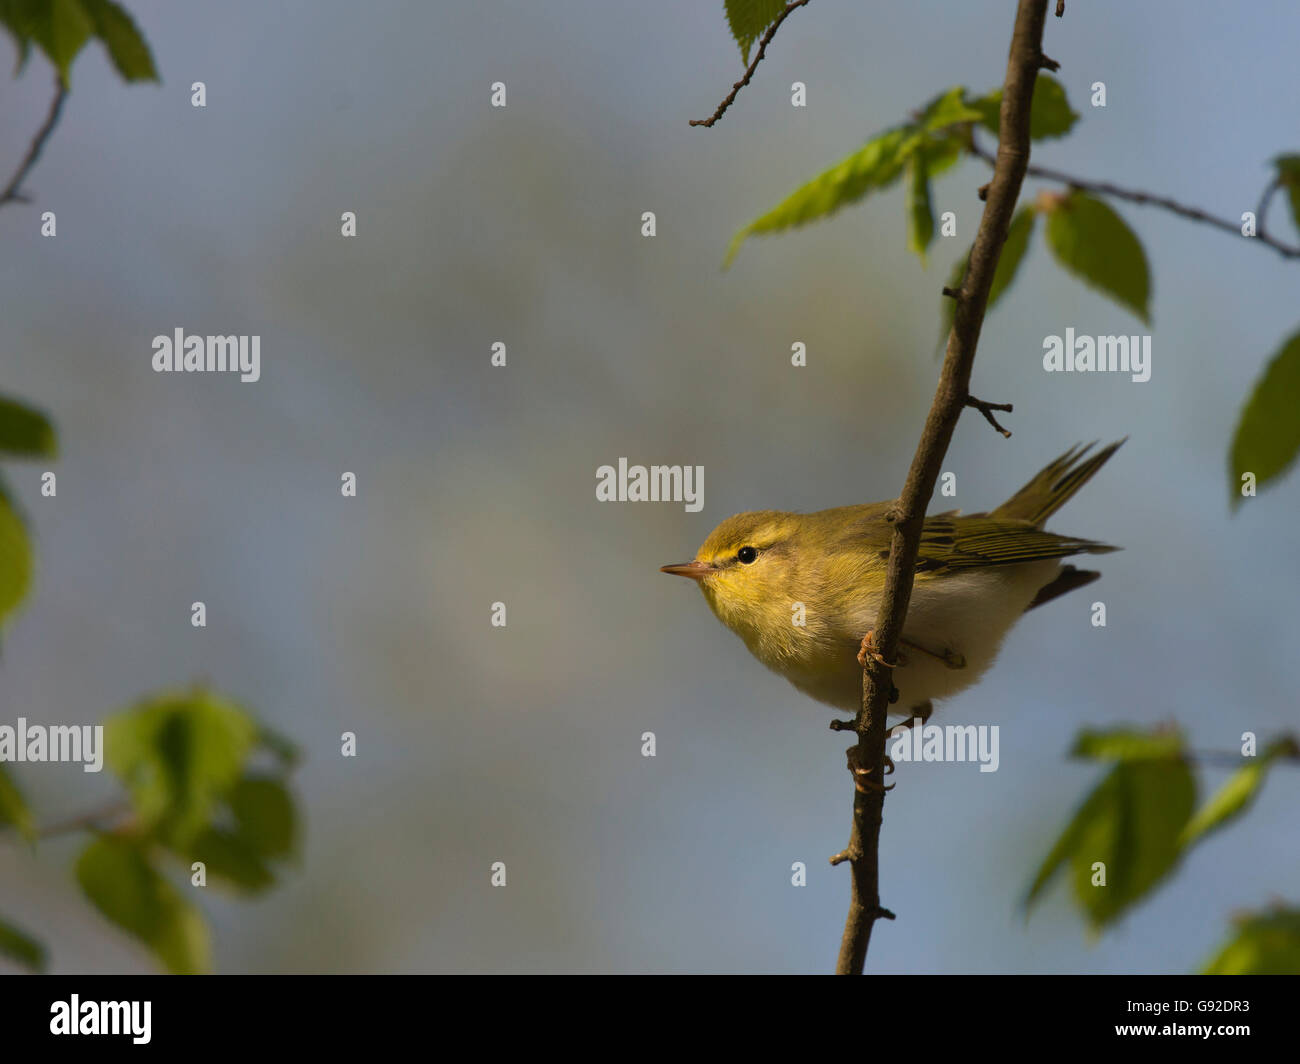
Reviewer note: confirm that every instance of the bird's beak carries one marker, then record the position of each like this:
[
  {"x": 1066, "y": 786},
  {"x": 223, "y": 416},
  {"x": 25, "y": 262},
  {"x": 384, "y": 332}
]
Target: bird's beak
[{"x": 695, "y": 570}]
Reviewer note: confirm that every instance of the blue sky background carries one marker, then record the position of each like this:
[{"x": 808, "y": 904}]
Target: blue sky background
[{"x": 477, "y": 485}]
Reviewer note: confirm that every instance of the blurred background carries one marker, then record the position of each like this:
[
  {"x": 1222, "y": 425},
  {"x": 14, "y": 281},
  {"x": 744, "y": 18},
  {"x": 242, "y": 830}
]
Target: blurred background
[{"x": 477, "y": 484}]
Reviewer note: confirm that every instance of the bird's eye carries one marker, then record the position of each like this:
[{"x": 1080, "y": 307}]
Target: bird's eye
[{"x": 747, "y": 555}]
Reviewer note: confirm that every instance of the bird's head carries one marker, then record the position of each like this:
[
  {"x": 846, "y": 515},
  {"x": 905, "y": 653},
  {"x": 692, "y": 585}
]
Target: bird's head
[{"x": 747, "y": 570}]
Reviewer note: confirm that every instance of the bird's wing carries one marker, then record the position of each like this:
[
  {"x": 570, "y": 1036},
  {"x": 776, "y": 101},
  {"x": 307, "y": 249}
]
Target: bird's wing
[{"x": 951, "y": 544}]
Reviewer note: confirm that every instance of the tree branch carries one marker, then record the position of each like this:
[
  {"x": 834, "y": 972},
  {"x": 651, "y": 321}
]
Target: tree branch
[
  {"x": 762, "y": 48},
  {"x": 11, "y": 193},
  {"x": 987, "y": 410},
  {"x": 867, "y": 758},
  {"x": 1195, "y": 214},
  {"x": 93, "y": 820}
]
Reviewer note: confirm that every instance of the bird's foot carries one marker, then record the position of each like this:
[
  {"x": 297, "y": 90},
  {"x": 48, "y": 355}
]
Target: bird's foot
[
  {"x": 862, "y": 773},
  {"x": 868, "y": 650}
]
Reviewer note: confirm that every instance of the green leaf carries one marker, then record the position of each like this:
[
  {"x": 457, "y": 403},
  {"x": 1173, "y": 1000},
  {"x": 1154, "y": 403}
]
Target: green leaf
[
  {"x": 1265, "y": 944},
  {"x": 1267, "y": 439},
  {"x": 25, "y": 431},
  {"x": 876, "y": 165},
  {"x": 1127, "y": 744},
  {"x": 227, "y": 856},
  {"x": 1013, "y": 251},
  {"x": 13, "y": 807},
  {"x": 179, "y": 754},
  {"x": 1092, "y": 242},
  {"x": 263, "y": 826},
  {"x": 117, "y": 877},
  {"x": 1049, "y": 112},
  {"x": 942, "y": 150},
  {"x": 920, "y": 211},
  {"x": 1130, "y": 824},
  {"x": 1237, "y": 794},
  {"x": 749, "y": 20},
  {"x": 15, "y": 557},
  {"x": 20, "y": 947},
  {"x": 265, "y": 814},
  {"x": 1288, "y": 176},
  {"x": 125, "y": 45},
  {"x": 947, "y": 109},
  {"x": 13, "y": 17},
  {"x": 60, "y": 29},
  {"x": 281, "y": 747}
]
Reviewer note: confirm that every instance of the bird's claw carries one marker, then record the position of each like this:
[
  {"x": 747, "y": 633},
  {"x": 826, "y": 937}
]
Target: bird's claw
[
  {"x": 868, "y": 650},
  {"x": 860, "y": 774}
]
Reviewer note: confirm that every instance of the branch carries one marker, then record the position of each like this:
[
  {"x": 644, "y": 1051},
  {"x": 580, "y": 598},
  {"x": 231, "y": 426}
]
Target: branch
[
  {"x": 867, "y": 758},
  {"x": 1105, "y": 188},
  {"x": 11, "y": 193},
  {"x": 762, "y": 48},
  {"x": 94, "y": 819},
  {"x": 987, "y": 410}
]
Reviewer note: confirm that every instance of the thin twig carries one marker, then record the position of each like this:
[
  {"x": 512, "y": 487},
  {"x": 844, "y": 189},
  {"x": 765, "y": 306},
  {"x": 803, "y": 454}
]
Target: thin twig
[
  {"x": 92, "y": 820},
  {"x": 762, "y": 48},
  {"x": 11, "y": 193},
  {"x": 987, "y": 410},
  {"x": 96, "y": 819},
  {"x": 1106, "y": 188},
  {"x": 907, "y": 515}
]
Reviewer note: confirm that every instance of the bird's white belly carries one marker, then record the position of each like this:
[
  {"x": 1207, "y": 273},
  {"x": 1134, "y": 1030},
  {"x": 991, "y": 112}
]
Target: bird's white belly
[{"x": 967, "y": 614}]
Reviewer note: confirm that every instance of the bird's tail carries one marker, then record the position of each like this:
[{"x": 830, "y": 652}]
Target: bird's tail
[{"x": 1053, "y": 487}]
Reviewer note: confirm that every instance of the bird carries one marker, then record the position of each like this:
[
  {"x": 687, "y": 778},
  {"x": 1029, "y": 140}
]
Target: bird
[{"x": 803, "y": 590}]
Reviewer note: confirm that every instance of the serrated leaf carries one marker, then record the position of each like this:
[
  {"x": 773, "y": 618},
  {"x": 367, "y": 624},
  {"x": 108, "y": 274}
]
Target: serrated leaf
[
  {"x": 749, "y": 20},
  {"x": 117, "y": 877},
  {"x": 179, "y": 754},
  {"x": 124, "y": 43},
  {"x": 25, "y": 431},
  {"x": 1093, "y": 242},
  {"x": 20, "y": 947},
  {"x": 1288, "y": 176},
  {"x": 1130, "y": 823},
  {"x": 1267, "y": 439},
  {"x": 13, "y": 807},
  {"x": 1013, "y": 252},
  {"x": 1237, "y": 794},
  {"x": 876, "y": 165},
  {"x": 920, "y": 211},
  {"x": 15, "y": 557},
  {"x": 1265, "y": 944},
  {"x": 1050, "y": 114},
  {"x": 1127, "y": 744}
]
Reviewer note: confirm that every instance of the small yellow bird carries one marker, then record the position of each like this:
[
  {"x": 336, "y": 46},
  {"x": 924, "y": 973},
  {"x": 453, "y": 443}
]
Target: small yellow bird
[{"x": 803, "y": 590}]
